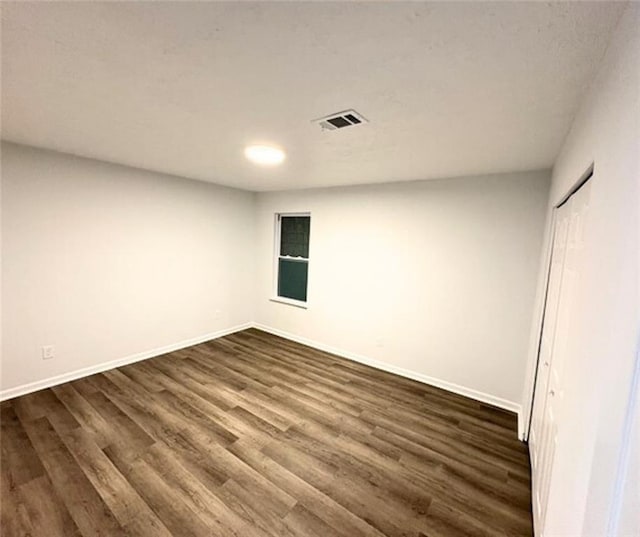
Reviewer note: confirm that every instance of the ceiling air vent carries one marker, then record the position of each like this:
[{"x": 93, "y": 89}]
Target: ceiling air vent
[{"x": 348, "y": 118}]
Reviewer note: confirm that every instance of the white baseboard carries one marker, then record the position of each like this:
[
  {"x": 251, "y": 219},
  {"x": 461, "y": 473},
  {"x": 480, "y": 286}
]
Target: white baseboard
[
  {"x": 521, "y": 425},
  {"x": 449, "y": 386},
  {"x": 86, "y": 371}
]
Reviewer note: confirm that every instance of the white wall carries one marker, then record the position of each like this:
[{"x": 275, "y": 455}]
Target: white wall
[
  {"x": 599, "y": 364},
  {"x": 435, "y": 277},
  {"x": 105, "y": 261},
  {"x": 626, "y": 521}
]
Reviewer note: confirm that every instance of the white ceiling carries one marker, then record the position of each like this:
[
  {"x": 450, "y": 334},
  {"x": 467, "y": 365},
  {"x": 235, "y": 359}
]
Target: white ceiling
[{"x": 450, "y": 89}]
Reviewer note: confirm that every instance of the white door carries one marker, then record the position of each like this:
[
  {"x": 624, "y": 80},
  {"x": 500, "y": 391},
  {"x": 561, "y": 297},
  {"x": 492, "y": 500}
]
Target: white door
[{"x": 566, "y": 261}]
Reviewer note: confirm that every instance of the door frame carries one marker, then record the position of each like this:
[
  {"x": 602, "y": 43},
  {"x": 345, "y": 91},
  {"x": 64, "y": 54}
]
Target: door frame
[{"x": 541, "y": 306}]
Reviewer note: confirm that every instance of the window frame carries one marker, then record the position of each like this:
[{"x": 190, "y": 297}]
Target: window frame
[{"x": 276, "y": 260}]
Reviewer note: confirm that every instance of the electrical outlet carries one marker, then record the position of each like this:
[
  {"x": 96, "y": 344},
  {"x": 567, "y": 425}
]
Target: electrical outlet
[
  {"x": 217, "y": 314},
  {"x": 48, "y": 352}
]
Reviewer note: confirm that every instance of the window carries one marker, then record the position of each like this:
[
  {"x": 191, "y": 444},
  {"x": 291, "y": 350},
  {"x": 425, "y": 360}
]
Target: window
[{"x": 292, "y": 256}]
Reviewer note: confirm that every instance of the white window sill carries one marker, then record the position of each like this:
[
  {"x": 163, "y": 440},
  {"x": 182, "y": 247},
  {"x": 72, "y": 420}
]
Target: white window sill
[{"x": 290, "y": 302}]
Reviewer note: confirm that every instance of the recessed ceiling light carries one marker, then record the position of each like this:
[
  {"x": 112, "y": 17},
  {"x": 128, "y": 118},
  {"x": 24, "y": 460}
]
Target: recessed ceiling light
[{"x": 264, "y": 155}]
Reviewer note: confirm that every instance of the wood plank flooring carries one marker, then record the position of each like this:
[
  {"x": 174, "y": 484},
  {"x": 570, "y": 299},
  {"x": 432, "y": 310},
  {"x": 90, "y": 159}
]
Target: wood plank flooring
[{"x": 253, "y": 435}]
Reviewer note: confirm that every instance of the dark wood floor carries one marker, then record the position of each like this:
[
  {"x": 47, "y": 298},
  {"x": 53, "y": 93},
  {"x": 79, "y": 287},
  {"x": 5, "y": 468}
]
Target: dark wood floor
[{"x": 253, "y": 435}]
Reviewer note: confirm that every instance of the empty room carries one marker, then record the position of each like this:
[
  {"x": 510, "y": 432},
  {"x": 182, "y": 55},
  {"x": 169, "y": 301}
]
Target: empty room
[{"x": 316, "y": 269}]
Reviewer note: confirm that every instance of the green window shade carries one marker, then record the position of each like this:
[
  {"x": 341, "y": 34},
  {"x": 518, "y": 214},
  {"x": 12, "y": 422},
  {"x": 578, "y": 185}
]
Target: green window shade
[
  {"x": 292, "y": 279},
  {"x": 294, "y": 236}
]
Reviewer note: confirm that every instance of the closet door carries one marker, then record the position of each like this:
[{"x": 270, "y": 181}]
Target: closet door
[{"x": 564, "y": 274}]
